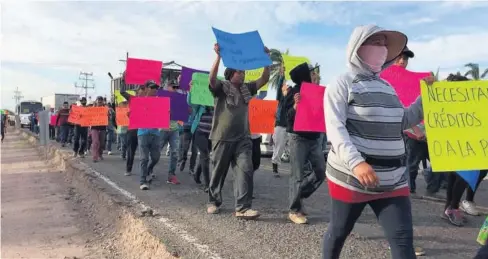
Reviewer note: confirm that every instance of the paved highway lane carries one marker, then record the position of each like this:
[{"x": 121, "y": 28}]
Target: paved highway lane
[{"x": 273, "y": 236}]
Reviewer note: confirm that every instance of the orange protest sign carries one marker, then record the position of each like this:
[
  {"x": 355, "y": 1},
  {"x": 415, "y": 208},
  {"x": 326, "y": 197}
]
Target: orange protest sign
[
  {"x": 262, "y": 115},
  {"x": 75, "y": 114},
  {"x": 94, "y": 116},
  {"x": 122, "y": 116}
]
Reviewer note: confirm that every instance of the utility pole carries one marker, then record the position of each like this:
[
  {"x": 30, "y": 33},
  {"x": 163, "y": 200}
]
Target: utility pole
[
  {"x": 85, "y": 77},
  {"x": 17, "y": 96}
]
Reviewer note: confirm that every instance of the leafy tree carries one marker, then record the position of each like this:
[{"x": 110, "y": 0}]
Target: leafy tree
[{"x": 474, "y": 71}]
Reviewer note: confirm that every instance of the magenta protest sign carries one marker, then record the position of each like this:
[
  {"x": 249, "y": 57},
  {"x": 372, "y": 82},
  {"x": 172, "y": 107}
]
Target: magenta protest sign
[
  {"x": 406, "y": 83},
  {"x": 138, "y": 71},
  {"x": 186, "y": 74},
  {"x": 310, "y": 110}
]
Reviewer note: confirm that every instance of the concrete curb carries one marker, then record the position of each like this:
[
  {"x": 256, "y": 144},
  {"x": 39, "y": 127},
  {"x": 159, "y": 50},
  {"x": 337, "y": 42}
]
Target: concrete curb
[{"x": 133, "y": 221}]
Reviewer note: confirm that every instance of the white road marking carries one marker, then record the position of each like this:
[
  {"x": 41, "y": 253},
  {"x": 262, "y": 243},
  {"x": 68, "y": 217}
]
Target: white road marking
[{"x": 204, "y": 249}]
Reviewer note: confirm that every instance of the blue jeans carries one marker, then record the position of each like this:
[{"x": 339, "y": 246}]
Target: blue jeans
[
  {"x": 416, "y": 152},
  {"x": 122, "y": 141},
  {"x": 110, "y": 139},
  {"x": 482, "y": 252},
  {"x": 394, "y": 215},
  {"x": 433, "y": 180},
  {"x": 64, "y": 133},
  {"x": 149, "y": 148},
  {"x": 173, "y": 139}
]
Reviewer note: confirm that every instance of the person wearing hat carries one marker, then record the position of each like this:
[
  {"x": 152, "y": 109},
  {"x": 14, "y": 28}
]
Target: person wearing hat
[
  {"x": 231, "y": 137},
  {"x": 304, "y": 147},
  {"x": 366, "y": 164},
  {"x": 402, "y": 59},
  {"x": 149, "y": 142},
  {"x": 80, "y": 136}
]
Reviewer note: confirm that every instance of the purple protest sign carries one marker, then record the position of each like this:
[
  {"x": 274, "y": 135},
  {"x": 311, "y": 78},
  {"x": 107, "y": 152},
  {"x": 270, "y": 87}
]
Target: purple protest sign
[
  {"x": 186, "y": 74},
  {"x": 179, "y": 107}
]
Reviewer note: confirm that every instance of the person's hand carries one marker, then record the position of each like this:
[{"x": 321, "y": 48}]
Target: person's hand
[
  {"x": 266, "y": 50},
  {"x": 296, "y": 98},
  {"x": 429, "y": 80},
  {"x": 366, "y": 175},
  {"x": 217, "y": 49},
  {"x": 284, "y": 89}
]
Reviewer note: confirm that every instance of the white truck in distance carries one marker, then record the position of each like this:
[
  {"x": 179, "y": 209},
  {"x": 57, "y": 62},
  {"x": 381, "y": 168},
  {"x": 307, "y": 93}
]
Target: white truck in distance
[{"x": 56, "y": 100}]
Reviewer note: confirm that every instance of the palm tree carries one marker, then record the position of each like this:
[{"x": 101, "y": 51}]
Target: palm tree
[
  {"x": 474, "y": 71},
  {"x": 485, "y": 74}
]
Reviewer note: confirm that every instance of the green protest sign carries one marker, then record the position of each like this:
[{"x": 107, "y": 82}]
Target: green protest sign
[{"x": 199, "y": 92}]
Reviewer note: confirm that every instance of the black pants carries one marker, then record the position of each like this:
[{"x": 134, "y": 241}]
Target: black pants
[
  {"x": 470, "y": 193},
  {"x": 455, "y": 190},
  {"x": 256, "y": 153},
  {"x": 131, "y": 148},
  {"x": 3, "y": 132},
  {"x": 204, "y": 145},
  {"x": 186, "y": 141},
  {"x": 80, "y": 139},
  {"x": 52, "y": 132}
]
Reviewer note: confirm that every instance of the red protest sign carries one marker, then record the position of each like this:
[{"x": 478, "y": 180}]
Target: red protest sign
[
  {"x": 138, "y": 71},
  {"x": 310, "y": 110},
  {"x": 262, "y": 116},
  {"x": 75, "y": 114},
  {"x": 149, "y": 113}
]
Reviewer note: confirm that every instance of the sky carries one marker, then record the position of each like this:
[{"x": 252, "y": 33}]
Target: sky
[{"x": 45, "y": 45}]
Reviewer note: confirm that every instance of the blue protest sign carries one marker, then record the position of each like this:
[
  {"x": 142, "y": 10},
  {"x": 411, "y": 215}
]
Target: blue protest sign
[
  {"x": 471, "y": 177},
  {"x": 243, "y": 51},
  {"x": 178, "y": 105}
]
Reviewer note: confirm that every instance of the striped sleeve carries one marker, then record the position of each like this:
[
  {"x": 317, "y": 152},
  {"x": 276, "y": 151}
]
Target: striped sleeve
[
  {"x": 336, "y": 107},
  {"x": 414, "y": 114}
]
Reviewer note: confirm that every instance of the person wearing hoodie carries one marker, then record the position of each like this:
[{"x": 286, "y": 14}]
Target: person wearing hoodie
[
  {"x": 366, "y": 164},
  {"x": 80, "y": 136},
  {"x": 304, "y": 147},
  {"x": 62, "y": 121},
  {"x": 231, "y": 137}
]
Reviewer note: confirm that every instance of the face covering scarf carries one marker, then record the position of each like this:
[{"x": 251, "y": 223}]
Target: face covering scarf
[{"x": 373, "y": 56}]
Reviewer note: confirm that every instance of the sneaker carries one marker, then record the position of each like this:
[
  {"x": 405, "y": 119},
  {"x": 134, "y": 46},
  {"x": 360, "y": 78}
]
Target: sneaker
[
  {"x": 192, "y": 171},
  {"x": 173, "y": 180},
  {"x": 249, "y": 214},
  {"x": 167, "y": 153},
  {"x": 144, "y": 187},
  {"x": 109, "y": 153},
  {"x": 469, "y": 207},
  {"x": 297, "y": 217},
  {"x": 455, "y": 217},
  {"x": 419, "y": 251},
  {"x": 75, "y": 154},
  {"x": 128, "y": 174},
  {"x": 212, "y": 209}
]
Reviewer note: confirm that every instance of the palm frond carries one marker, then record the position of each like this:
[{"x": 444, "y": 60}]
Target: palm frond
[
  {"x": 485, "y": 73},
  {"x": 470, "y": 72}
]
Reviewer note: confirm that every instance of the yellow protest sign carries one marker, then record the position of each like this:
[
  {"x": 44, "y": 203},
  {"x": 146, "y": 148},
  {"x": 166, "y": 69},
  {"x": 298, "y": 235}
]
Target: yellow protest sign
[
  {"x": 456, "y": 124},
  {"x": 291, "y": 62},
  {"x": 119, "y": 98},
  {"x": 255, "y": 74}
]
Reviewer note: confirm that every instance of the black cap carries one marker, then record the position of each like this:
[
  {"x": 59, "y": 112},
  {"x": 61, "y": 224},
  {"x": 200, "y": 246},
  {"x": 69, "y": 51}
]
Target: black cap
[
  {"x": 151, "y": 84},
  {"x": 408, "y": 52},
  {"x": 83, "y": 99}
]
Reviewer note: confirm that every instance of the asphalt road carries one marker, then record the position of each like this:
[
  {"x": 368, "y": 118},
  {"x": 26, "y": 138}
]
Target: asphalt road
[{"x": 273, "y": 236}]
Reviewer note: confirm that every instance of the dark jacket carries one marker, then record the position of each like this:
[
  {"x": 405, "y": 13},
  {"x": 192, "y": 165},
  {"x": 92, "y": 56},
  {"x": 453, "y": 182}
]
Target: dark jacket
[
  {"x": 281, "y": 112},
  {"x": 298, "y": 75}
]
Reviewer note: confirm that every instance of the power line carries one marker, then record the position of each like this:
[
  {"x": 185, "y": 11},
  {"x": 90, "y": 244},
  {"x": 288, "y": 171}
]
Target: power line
[
  {"x": 17, "y": 96},
  {"x": 85, "y": 78}
]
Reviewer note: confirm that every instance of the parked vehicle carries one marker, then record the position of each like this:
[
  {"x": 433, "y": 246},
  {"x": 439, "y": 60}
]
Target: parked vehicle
[{"x": 25, "y": 109}]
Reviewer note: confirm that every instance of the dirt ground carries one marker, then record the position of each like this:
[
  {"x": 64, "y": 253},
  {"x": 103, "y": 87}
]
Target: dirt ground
[{"x": 42, "y": 216}]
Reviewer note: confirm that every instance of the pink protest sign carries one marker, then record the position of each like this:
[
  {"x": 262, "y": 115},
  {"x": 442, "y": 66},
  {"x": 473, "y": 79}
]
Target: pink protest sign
[
  {"x": 53, "y": 120},
  {"x": 149, "y": 113},
  {"x": 138, "y": 71},
  {"x": 310, "y": 110},
  {"x": 406, "y": 83}
]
